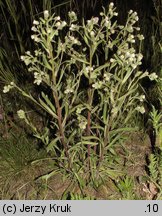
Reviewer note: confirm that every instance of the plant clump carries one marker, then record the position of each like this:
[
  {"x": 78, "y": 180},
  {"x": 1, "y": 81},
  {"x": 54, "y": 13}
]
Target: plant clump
[{"x": 91, "y": 71}]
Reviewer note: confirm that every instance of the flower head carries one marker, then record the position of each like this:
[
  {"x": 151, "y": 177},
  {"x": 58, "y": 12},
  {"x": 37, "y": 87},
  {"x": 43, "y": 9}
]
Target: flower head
[
  {"x": 46, "y": 14},
  {"x": 35, "y": 22},
  {"x": 72, "y": 16},
  {"x": 21, "y": 114},
  {"x": 8, "y": 87},
  {"x": 140, "y": 109},
  {"x": 83, "y": 125},
  {"x": 153, "y": 76},
  {"x": 142, "y": 98}
]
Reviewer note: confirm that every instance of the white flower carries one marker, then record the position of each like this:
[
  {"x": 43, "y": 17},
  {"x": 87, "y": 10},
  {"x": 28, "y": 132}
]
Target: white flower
[
  {"x": 68, "y": 90},
  {"x": 78, "y": 111},
  {"x": 97, "y": 85},
  {"x": 21, "y": 114},
  {"x": 136, "y": 18},
  {"x": 22, "y": 58},
  {"x": 153, "y": 76},
  {"x": 133, "y": 55},
  {"x": 38, "y": 81},
  {"x": 28, "y": 53},
  {"x": 88, "y": 69},
  {"x": 34, "y": 29},
  {"x": 49, "y": 31},
  {"x": 112, "y": 60},
  {"x": 130, "y": 29},
  {"x": 35, "y": 22},
  {"x": 122, "y": 57},
  {"x": 134, "y": 66},
  {"x": 90, "y": 22},
  {"x": 83, "y": 125},
  {"x": 35, "y": 38},
  {"x": 112, "y": 31},
  {"x": 63, "y": 24},
  {"x": 73, "y": 27},
  {"x": 142, "y": 98},
  {"x": 72, "y": 16},
  {"x": 57, "y": 18},
  {"x": 139, "y": 57},
  {"x": 58, "y": 24},
  {"x": 127, "y": 54},
  {"x": 111, "y": 5},
  {"x": 146, "y": 73},
  {"x": 106, "y": 77},
  {"x": 38, "y": 77},
  {"x": 138, "y": 28},
  {"x": 140, "y": 109},
  {"x": 95, "y": 20},
  {"x": 72, "y": 13},
  {"x": 140, "y": 37},
  {"x": 115, "y": 14},
  {"x": 92, "y": 33},
  {"x": 46, "y": 14},
  {"x": 131, "y": 59},
  {"x": 8, "y": 87}
]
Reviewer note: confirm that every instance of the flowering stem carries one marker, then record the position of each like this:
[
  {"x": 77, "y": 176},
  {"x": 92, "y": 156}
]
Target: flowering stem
[
  {"x": 90, "y": 100},
  {"x": 106, "y": 141},
  {"x": 58, "y": 107},
  {"x": 61, "y": 131}
]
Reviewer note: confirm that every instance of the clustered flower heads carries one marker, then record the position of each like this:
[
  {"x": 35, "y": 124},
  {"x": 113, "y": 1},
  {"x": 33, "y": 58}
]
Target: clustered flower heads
[
  {"x": 97, "y": 30},
  {"x": 38, "y": 76},
  {"x": 71, "y": 40},
  {"x": 74, "y": 27},
  {"x": 140, "y": 109},
  {"x": 41, "y": 29},
  {"x": 142, "y": 98},
  {"x": 8, "y": 87},
  {"x": 153, "y": 76},
  {"x": 82, "y": 120}
]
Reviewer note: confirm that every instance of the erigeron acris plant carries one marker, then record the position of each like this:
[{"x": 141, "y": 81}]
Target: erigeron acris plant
[{"x": 88, "y": 120}]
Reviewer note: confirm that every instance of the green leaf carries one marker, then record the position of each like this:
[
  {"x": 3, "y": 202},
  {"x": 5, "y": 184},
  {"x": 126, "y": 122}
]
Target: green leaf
[
  {"x": 126, "y": 129},
  {"x": 128, "y": 74},
  {"x": 52, "y": 144},
  {"x": 101, "y": 67},
  {"x": 84, "y": 142},
  {"x": 90, "y": 138},
  {"x": 47, "y": 176},
  {"x": 45, "y": 97},
  {"x": 47, "y": 108},
  {"x": 45, "y": 62},
  {"x": 71, "y": 136}
]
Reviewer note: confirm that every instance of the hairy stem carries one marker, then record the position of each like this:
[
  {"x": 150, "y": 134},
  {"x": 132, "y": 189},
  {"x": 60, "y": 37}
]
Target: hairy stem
[{"x": 58, "y": 107}]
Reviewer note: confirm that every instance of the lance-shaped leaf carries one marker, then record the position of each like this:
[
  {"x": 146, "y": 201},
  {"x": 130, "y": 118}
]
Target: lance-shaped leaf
[{"x": 47, "y": 108}]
